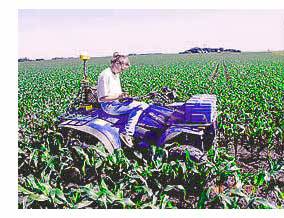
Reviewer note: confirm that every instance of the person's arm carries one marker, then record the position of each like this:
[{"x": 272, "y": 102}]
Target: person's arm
[
  {"x": 109, "y": 98},
  {"x": 113, "y": 97}
]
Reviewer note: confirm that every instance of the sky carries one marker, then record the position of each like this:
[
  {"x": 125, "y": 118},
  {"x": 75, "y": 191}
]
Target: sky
[{"x": 44, "y": 33}]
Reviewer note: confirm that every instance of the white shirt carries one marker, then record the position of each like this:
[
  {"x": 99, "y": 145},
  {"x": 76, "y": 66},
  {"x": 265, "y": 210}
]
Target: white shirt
[{"x": 108, "y": 84}]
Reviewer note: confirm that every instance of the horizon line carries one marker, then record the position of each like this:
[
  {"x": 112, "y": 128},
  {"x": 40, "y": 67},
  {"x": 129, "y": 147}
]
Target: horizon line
[{"x": 147, "y": 53}]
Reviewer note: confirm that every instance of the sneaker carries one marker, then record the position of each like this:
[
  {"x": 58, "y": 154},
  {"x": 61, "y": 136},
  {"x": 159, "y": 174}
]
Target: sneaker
[{"x": 126, "y": 139}]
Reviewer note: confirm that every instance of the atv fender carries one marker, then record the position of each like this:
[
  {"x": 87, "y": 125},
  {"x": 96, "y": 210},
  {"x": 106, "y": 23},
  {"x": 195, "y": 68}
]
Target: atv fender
[
  {"x": 174, "y": 131},
  {"x": 101, "y": 129}
]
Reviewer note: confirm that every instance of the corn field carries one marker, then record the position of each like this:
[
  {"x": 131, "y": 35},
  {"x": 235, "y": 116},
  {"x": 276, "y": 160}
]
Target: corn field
[{"x": 244, "y": 170}]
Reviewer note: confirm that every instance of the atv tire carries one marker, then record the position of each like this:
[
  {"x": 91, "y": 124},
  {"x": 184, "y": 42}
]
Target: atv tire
[{"x": 195, "y": 154}]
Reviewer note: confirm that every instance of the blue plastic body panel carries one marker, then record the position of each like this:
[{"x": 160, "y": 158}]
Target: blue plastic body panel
[{"x": 111, "y": 132}]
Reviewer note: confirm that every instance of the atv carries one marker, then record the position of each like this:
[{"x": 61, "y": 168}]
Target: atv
[{"x": 191, "y": 125}]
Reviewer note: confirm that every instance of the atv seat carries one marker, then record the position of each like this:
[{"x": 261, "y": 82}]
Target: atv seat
[{"x": 113, "y": 119}]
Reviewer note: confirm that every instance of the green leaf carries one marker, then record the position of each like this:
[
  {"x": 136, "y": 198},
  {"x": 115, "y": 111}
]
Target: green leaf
[
  {"x": 264, "y": 203},
  {"x": 24, "y": 191},
  {"x": 176, "y": 187},
  {"x": 126, "y": 202},
  {"x": 37, "y": 197},
  {"x": 164, "y": 201},
  {"x": 83, "y": 204},
  {"x": 226, "y": 200},
  {"x": 279, "y": 192},
  {"x": 238, "y": 192},
  {"x": 203, "y": 198},
  {"x": 60, "y": 194},
  {"x": 98, "y": 163}
]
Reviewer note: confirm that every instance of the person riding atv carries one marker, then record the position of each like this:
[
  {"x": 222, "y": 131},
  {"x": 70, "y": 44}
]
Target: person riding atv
[{"x": 110, "y": 93}]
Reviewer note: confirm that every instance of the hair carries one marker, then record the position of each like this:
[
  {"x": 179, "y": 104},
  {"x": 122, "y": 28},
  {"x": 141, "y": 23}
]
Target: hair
[{"x": 117, "y": 58}]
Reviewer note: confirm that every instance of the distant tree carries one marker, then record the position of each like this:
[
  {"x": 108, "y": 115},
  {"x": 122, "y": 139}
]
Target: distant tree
[
  {"x": 23, "y": 59},
  {"x": 57, "y": 58}
]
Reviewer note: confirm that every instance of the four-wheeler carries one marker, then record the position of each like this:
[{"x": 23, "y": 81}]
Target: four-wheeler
[{"x": 191, "y": 125}]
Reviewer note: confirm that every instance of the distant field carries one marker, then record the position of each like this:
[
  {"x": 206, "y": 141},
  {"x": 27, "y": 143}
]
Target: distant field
[
  {"x": 249, "y": 89},
  {"x": 278, "y": 53}
]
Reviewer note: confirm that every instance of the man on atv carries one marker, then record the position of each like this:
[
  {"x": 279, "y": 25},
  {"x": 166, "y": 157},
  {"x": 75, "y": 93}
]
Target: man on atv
[{"x": 109, "y": 94}]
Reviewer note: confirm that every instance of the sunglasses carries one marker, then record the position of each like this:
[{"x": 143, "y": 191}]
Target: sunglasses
[{"x": 125, "y": 64}]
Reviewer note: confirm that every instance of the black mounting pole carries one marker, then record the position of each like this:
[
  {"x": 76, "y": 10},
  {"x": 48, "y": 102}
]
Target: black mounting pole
[{"x": 85, "y": 70}]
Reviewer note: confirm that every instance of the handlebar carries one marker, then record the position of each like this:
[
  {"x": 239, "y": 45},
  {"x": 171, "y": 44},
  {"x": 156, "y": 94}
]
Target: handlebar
[{"x": 166, "y": 96}]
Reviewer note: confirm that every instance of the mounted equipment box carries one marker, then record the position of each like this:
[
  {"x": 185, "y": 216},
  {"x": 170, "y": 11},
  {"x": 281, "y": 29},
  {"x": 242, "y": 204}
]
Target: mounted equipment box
[{"x": 201, "y": 109}]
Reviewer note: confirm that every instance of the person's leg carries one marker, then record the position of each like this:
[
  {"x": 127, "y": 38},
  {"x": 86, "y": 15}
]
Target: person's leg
[
  {"x": 135, "y": 113},
  {"x": 117, "y": 108},
  {"x": 134, "y": 109},
  {"x": 138, "y": 108}
]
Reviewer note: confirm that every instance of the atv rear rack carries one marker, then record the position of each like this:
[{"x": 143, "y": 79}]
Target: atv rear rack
[{"x": 77, "y": 121}]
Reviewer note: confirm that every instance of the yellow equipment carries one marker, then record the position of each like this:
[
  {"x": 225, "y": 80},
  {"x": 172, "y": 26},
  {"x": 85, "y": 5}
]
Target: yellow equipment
[
  {"x": 84, "y": 57},
  {"x": 86, "y": 96}
]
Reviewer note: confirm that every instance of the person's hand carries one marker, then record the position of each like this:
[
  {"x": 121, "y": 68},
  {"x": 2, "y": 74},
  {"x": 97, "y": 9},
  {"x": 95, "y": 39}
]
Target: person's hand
[{"x": 123, "y": 95}]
